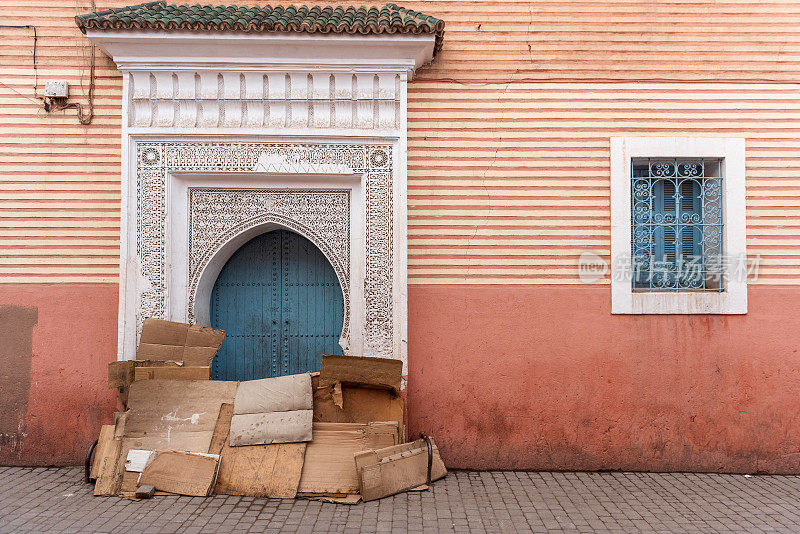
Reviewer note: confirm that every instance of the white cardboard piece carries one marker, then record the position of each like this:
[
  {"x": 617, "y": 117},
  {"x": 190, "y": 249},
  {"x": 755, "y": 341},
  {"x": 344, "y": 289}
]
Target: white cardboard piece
[
  {"x": 271, "y": 427},
  {"x": 273, "y": 410},
  {"x": 279, "y": 394},
  {"x": 138, "y": 459}
]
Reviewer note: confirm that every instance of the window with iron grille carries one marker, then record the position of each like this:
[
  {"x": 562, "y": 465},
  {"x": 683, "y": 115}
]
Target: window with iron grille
[{"x": 677, "y": 219}]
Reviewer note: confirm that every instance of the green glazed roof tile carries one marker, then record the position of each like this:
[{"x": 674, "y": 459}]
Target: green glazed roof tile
[{"x": 159, "y": 15}]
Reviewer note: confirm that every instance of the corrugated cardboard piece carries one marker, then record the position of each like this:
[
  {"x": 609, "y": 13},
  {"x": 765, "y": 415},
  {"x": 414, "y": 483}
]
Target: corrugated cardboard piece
[
  {"x": 106, "y": 468},
  {"x": 172, "y": 372},
  {"x": 272, "y": 410},
  {"x": 358, "y": 405},
  {"x": 177, "y": 415},
  {"x": 361, "y": 371},
  {"x": 272, "y": 427},
  {"x": 181, "y": 472},
  {"x": 169, "y": 407},
  {"x": 329, "y": 467},
  {"x": 255, "y": 470},
  {"x": 394, "y": 469},
  {"x": 279, "y": 394},
  {"x": 103, "y": 442},
  {"x": 178, "y": 342},
  {"x": 120, "y": 374},
  {"x": 167, "y": 351}
]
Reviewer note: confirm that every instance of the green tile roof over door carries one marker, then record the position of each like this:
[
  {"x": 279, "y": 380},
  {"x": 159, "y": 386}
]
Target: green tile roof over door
[{"x": 389, "y": 19}]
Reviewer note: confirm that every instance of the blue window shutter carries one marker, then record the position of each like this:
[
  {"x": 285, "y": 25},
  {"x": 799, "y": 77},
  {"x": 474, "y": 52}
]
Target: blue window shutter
[
  {"x": 690, "y": 203},
  {"x": 667, "y": 205}
]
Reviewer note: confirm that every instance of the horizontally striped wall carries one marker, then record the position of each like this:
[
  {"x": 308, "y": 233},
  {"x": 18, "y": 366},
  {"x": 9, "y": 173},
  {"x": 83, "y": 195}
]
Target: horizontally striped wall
[
  {"x": 509, "y": 184},
  {"x": 508, "y": 133}
]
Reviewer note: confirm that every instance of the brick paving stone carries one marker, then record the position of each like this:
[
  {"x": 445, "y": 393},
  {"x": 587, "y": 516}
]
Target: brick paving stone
[{"x": 56, "y": 500}]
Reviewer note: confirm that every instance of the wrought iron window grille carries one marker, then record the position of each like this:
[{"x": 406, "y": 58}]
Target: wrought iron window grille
[{"x": 677, "y": 223}]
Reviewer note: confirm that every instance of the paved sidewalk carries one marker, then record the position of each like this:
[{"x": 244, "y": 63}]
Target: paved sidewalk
[{"x": 57, "y": 500}]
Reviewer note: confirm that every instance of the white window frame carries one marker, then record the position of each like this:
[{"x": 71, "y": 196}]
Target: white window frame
[{"x": 733, "y": 299}]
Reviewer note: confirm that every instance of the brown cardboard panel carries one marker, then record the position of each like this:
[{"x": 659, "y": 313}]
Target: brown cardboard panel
[
  {"x": 278, "y": 394},
  {"x": 164, "y": 407},
  {"x": 271, "y": 427},
  {"x": 199, "y": 356},
  {"x": 178, "y": 441},
  {"x": 359, "y": 405},
  {"x": 157, "y": 363},
  {"x": 104, "y": 441},
  {"x": 120, "y": 418},
  {"x": 202, "y": 336},
  {"x": 170, "y": 341},
  {"x": 172, "y": 373},
  {"x": 109, "y": 467},
  {"x": 160, "y": 332},
  {"x": 361, "y": 371},
  {"x": 181, "y": 472},
  {"x": 329, "y": 467},
  {"x": 221, "y": 429},
  {"x": 256, "y": 470},
  {"x": 120, "y": 374},
  {"x": 395, "y": 469},
  {"x": 167, "y": 353}
]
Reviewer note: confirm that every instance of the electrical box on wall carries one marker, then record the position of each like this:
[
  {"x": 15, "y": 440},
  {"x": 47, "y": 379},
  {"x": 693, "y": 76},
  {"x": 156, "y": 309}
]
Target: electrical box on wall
[{"x": 56, "y": 89}]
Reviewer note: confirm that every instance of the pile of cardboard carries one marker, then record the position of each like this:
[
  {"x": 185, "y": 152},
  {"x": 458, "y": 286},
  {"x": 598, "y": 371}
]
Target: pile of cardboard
[{"x": 335, "y": 435}]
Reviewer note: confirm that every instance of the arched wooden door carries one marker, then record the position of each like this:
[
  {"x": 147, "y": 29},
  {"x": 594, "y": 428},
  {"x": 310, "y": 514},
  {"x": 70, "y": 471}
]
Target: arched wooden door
[{"x": 280, "y": 303}]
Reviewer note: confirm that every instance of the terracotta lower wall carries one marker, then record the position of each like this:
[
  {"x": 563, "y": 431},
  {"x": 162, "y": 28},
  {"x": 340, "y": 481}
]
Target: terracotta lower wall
[
  {"x": 55, "y": 344},
  {"x": 512, "y": 377},
  {"x": 545, "y": 378}
]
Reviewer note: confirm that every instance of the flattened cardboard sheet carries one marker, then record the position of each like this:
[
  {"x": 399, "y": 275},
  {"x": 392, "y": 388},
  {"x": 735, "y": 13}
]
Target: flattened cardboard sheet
[
  {"x": 103, "y": 442},
  {"x": 166, "y": 407},
  {"x": 273, "y": 427},
  {"x": 279, "y": 394},
  {"x": 183, "y": 372},
  {"x": 359, "y": 405},
  {"x": 255, "y": 470},
  {"x": 349, "y": 498},
  {"x": 181, "y": 472},
  {"x": 329, "y": 467},
  {"x": 109, "y": 470},
  {"x": 175, "y": 415},
  {"x": 179, "y": 342},
  {"x": 361, "y": 371},
  {"x": 180, "y": 441},
  {"x": 273, "y": 410},
  {"x": 395, "y": 469}
]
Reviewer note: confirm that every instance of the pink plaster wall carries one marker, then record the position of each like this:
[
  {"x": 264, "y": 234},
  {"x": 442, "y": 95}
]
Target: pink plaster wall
[
  {"x": 545, "y": 378},
  {"x": 74, "y": 338}
]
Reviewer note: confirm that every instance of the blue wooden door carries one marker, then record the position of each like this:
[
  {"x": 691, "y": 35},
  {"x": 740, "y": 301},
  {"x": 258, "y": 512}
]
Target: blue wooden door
[{"x": 280, "y": 303}]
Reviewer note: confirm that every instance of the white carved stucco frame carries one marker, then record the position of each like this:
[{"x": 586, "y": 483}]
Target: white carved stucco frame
[{"x": 158, "y": 254}]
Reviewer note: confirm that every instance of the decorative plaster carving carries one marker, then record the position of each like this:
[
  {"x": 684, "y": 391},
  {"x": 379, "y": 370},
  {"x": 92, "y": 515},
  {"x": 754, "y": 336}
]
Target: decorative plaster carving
[
  {"x": 246, "y": 99},
  {"x": 218, "y": 215},
  {"x": 295, "y": 209},
  {"x": 276, "y": 164}
]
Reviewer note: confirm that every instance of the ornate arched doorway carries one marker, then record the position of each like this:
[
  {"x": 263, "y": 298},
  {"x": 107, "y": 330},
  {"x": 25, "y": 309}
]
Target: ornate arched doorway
[{"x": 281, "y": 306}]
